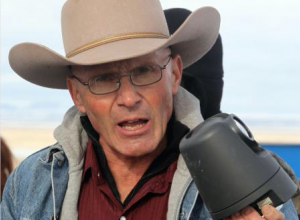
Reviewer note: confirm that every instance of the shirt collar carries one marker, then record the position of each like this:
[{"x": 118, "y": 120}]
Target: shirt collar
[{"x": 95, "y": 157}]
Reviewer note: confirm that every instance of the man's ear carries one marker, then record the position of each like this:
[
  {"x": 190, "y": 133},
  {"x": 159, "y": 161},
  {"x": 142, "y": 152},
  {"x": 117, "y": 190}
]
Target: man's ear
[
  {"x": 176, "y": 73},
  {"x": 75, "y": 94}
]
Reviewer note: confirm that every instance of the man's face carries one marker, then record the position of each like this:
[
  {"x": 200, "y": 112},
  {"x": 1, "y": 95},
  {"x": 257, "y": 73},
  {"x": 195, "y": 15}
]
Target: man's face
[{"x": 132, "y": 121}]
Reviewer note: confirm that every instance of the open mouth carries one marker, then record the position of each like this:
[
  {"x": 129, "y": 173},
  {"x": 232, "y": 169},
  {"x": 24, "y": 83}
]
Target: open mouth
[{"x": 132, "y": 125}]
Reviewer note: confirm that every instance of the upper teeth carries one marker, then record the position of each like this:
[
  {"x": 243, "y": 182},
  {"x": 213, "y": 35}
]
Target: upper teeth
[{"x": 132, "y": 121}]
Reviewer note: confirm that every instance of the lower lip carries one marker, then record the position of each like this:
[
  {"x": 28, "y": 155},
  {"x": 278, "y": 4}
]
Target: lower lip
[{"x": 141, "y": 130}]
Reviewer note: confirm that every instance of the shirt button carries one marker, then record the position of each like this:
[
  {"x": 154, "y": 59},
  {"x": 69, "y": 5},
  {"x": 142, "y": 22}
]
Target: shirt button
[{"x": 123, "y": 218}]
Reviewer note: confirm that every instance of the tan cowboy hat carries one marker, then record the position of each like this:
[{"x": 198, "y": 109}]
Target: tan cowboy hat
[{"x": 102, "y": 31}]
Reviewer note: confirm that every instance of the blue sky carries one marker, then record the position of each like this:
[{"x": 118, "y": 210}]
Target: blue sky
[{"x": 261, "y": 57}]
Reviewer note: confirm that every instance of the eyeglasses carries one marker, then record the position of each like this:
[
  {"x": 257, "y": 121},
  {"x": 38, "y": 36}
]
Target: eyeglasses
[{"x": 140, "y": 76}]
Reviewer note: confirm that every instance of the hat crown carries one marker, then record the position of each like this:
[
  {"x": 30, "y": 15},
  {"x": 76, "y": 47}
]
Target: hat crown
[{"x": 87, "y": 21}]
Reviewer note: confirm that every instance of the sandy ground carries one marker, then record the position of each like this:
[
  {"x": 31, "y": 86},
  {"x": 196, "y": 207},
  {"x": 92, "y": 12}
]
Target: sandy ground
[
  {"x": 282, "y": 135},
  {"x": 25, "y": 141}
]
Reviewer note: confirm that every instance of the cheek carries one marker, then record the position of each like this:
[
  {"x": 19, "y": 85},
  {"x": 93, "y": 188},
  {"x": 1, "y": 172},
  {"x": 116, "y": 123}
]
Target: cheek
[
  {"x": 98, "y": 111},
  {"x": 163, "y": 106}
]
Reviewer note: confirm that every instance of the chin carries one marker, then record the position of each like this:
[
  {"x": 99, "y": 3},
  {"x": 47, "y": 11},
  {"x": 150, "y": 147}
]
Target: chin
[{"x": 139, "y": 150}]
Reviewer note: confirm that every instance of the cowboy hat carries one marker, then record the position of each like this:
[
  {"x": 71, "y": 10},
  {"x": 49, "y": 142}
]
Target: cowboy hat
[{"x": 102, "y": 31}]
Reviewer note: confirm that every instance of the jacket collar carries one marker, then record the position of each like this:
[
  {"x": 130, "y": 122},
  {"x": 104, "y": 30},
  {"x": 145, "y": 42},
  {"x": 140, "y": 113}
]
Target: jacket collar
[{"x": 71, "y": 135}]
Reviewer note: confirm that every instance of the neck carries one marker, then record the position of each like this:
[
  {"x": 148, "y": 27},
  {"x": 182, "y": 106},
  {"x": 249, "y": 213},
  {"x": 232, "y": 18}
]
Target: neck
[{"x": 127, "y": 171}]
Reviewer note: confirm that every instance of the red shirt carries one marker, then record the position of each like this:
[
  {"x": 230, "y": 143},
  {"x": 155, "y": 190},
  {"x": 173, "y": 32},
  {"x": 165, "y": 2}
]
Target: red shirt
[{"x": 97, "y": 201}]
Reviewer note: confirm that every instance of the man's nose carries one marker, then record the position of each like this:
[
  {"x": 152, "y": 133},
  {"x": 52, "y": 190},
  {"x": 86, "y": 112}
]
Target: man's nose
[{"x": 128, "y": 95}]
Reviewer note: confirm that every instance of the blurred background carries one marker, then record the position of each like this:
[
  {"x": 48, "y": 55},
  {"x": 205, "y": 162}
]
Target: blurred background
[{"x": 261, "y": 64}]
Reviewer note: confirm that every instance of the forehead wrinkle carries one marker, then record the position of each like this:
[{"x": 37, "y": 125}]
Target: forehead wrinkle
[
  {"x": 122, "y": 66},
  {"x": 125, "y": 66}
]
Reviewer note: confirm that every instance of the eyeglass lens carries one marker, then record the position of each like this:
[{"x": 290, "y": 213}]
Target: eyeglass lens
[{"x": 140, "y": 76}]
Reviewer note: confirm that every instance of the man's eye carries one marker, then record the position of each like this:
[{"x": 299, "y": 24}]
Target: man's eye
[
  {"x": 143, "y": 69},
  {"x": 105, "y": 78}
]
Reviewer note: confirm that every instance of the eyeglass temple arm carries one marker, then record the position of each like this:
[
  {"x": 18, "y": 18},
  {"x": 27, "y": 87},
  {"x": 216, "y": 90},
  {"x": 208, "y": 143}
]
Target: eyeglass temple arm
[
  {"x": 165, "y": 66},
  {"x": 83, "y": 83}
]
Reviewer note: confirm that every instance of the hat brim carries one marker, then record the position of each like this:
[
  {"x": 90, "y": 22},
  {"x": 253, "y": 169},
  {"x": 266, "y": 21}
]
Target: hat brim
[{"x": 43, "y": 66}]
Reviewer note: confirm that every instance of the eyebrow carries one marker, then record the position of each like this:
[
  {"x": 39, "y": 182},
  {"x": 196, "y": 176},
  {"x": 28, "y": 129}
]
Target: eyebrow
[{"x": 115, "y": 70}]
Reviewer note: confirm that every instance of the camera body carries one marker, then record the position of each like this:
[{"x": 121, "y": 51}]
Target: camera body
[{"x": 230, "y": 169}]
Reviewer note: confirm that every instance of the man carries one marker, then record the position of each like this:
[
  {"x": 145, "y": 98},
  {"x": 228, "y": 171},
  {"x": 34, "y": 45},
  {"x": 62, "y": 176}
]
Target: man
[{"x": 117, "y": 153}]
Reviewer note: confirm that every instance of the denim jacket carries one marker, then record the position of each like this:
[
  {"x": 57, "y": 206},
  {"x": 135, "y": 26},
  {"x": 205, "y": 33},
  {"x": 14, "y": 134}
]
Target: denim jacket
[
  {"x": 38, "y": 193},
  {"x": 36, "y": 188}
]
